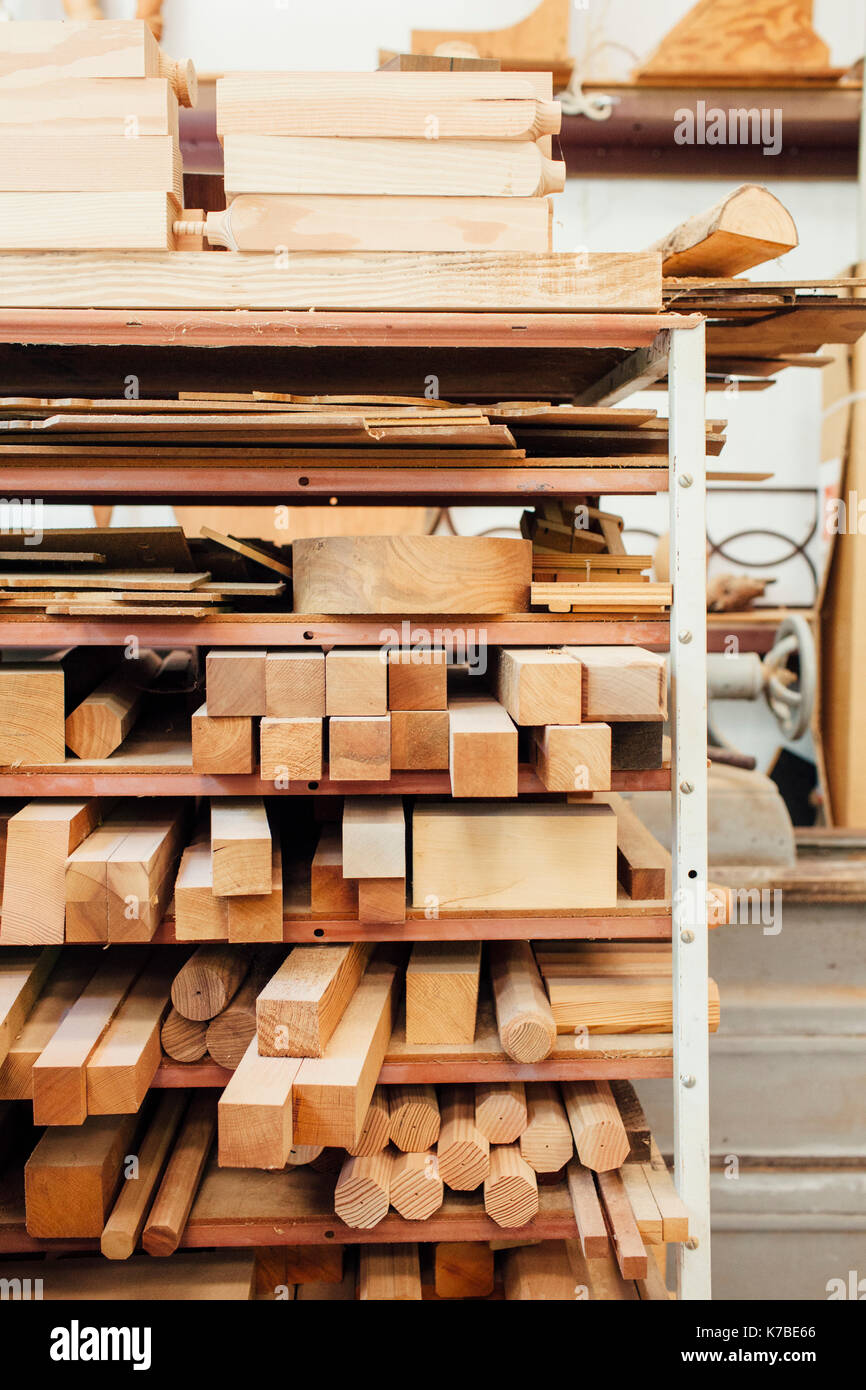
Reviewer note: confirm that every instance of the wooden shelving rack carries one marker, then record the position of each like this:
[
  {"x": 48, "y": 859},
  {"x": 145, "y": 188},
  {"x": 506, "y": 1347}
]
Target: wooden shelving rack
[{"x": 602, "y": 357}]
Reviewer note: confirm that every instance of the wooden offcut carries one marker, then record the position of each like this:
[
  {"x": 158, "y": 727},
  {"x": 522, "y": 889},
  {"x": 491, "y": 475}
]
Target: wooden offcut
[
  {"x": 410, "y": 574},
  {"x": 241, "y": 847},
  {"x": 442, "y": 992},
  {"x": 141, "y": 871},
  {"x": 381, "y": 900},
  {"x": 482, "y": 748},
  {"x": 295, "y": 685},
  {"x": 747, "y": 227},
  {"x": 255, "y": 1112},
  {"x": 291, "y": 749},
  {"x": 223, "y": 744},
  {"x": 72, "y": 1175},
  {"x": 538, "y": 686},
  {"x": 39, "y": 839},
  {"x": 301, "y": 1005}
]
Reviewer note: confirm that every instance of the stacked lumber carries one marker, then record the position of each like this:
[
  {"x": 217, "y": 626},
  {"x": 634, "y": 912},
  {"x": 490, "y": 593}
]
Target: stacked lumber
[
  {"x": 457, "y": 156},
  {"x": 89, "y": 137},
  {"x": 621, "y": 987}
]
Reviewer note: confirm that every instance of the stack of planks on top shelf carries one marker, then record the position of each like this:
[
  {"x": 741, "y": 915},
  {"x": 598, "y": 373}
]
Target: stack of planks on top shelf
[
  {"x": 89, "y": 141},
  {"x": 387, "y": 161}
]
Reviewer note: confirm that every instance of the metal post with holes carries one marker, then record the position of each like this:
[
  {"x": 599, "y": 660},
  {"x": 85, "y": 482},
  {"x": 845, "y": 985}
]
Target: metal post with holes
[{"x": 688, "y": 715}]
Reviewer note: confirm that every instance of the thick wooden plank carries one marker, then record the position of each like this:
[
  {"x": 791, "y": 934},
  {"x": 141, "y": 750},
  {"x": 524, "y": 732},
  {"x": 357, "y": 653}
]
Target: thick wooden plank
[
  {"x": 645, "y": 1211},
  {"x": 45, "y": 51},
  {"x": 420, "y": 740},
  {"x": 32, "y": 713},
  {"x": 556, "y": 281},
  {"x": 410, "y": 574},
  {"x": 86, "y": 887},
  {"x": 482, "y": 748},
  {"x": 539, "y": 1272},
  {"x": 301, "y": 1005},
  {"x": 259, "y": 916},
  {"x": 619, "y": 1004},
  {"x": 255, "y": 1112},
  {"x": 60, "y": 1073},
  {"x": 356, "y": 682},
  {"x": 68, "y": 978},
  {"x": 173, "y": 1202},
  {"x": 22, "y": 977},
  {"x": 573, "y": 757},
  {"x": 141, "y": 870},
  {"x": 490, "y": 856},
  {"x": 199, "y": 915},
  {"x": 304, "y": 164},
  {"x": 442, "y": 991},
  {"x": 72, "y": 1175},
  {"x": 241, "y": 847},
  {"x": 123, "y": 1064},
  {"x": 538, "y": 687},
  {"x": 39, "y": 839},
  {"x": 622, "y": 683},
  {"x": 359, "y": 748},
  {"x": 291, "y": 749},
  {"x": 642, "y": 863},
  {"x": 68, "y": 160},
  {"x": 218, "y": 1276},
  {"x": 374, "y": 837},
  {"x": 332, "y": 1093},
  {"x": 137, "y": 107},
  {"x": 418, "y": 679}
]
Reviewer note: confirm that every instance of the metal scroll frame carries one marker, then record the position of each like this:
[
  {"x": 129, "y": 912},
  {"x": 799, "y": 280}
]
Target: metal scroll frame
[{"x": 688, "y": 645}]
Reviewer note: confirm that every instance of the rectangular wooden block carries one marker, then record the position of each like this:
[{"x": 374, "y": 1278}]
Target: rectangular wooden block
[
  {"x": 241, "y": 847},
  {"x": 483, "y": 748},
  {"x": 22, "y": 976},
  {"x": 622, "y": 683},
  {"x": 255, "y": 1112},
  {"x": 42, "y": 1018},
  {"x": 87, "y": 881},
  {"x": 359, "y": 748},
  {"x": 40, "y": 838},
  {"x": 295, "y": 684},
  {"x": 259, "y": 916},
  {"x": 374, "y": 837},
  {"x": 356, "y": 682},
  {"x": 332, "y": 1093},
  {"x": 513, "y": 857},
  {"x": 199, "y": 915},
  {"x": 636, "y": 746},
  {"x": 123, "y": 1064},
  {"x": 41, "y": 51},
  {"x": 572, "y": 757},
  {"x": 418, "y": 679},
  {"x": 330, "y": 893},
  {"x": 419, "y": 740},
  {"x": 301, "y": 1005},
  {"x": 62, "y": 160},
  {"x": 236, "y": 682},
  {"x": 618, "y": 1004},
  {"x": 411, "y": 574},
  {"x": 132, "y": 107},
  {"x": 442, "y": 992},
  {"x": 141, "y": 872},
  {"x": 291, "y": 749},
  {"x": 381, "y": 900},
  {"x": 222, "y": 744},
  {"x": 538, "y": 687},
  {"x": 32, "y": 713},
  {"x": 72, "y": 1175}
]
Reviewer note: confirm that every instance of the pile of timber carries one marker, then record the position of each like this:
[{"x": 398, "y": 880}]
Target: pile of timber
[
  {"x": 277, "y": 428},
  {"x": 89, "y": 137},
  {"x": 385, "y": 161}
]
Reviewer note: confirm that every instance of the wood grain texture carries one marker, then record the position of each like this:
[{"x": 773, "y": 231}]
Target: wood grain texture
[
  {"x": 573, "y": 757},
  {"x": 236, "y": 682},
  {"x": 482, "y": 751},
  {"x": 622, "y": 683},
  {"x": 463, "y": 1269},
  {"x": 359, "y": 748},
  {"x": 510, "y": 1188},
  {"x": 736, "y": 39},
  {"x": 538, "y": 687},
  {"x": 72, "y": 1175},
  {"x": 420, "y": 740},
  {"x": 125, "y": 1224},
  {"x": 356, "y": 679},
  {"x": 463, "y": 1151},
  {"x": 389, "y": 1273},
  {"x": 330, "y": 893},
  {"x": 376, "y": 1128},
  {"x": 418, "y": 679},
  {"x": 32, "y": 713},
  {"x": 588, "y": 1215},
  {"x": 301, "y": 1005},
  {"x": 241, "y": 847},
  {"x": 123, "y": 1064},
  {"x": 259, "y": 916},
  {"x": 363, "y": 1191},
  {"x": 416, "y": 1185},
  {"x": 546, "y": 1142},
  {"x": 67, "y": 160},
  {"x": 39, "y": 839},
  {"x": 539, "y": 1273},
  {"x": 173, "y": 1202},
  {"x": 44, "y": 51},
  {"x": 224, "y": 744},
  {"x": 442, "y": 991},
  {"x": 198, "y": 913},
  {"x": 295, "y": 685},
  {"x": 501, "y": 1113},
  {"x": 599, "y": 1134},
  {"x": 255, "y": 1112},
  {"x": 208, "y": 981},
  {"x": 747, "y": 227},
  {"x": 374, "y": 837},
  {"x": 414, "y": 1118}
]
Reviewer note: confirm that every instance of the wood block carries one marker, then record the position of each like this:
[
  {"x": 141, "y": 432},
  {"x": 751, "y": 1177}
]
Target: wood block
[
  {"x": 418, "y": 679},
  {"x": 628, "y": 1247},
  {"x": 539, "y": 1273},
  {"x": 295, "y": 684},
  {"x": 191, "y": 1276},
  {"x": 359, "y": 749},
  {"x": 381, "y": 900},
  {"x": 501, "y": 1114},
  {"x": 123, "y": 1064},
  {"x": 463, "y": 1269},
  {"x": 420, "y": 740},
  {"x": 411, "y": 574},
  {"x": 40, "y": 837},
  {"x": 241, "y": 847},
  {"x": 72, "y": 1175},
  {"x": 255, "y": 1112},
  {"x": 301, "y": 164},
  {"x": 236, "y": 682},
  {"x": 208, "y": 981},
  {"x": 538, "y": 687},
  {"x": 332, "y": 1093},
  {"x": 59, "y": 1074},
  {"x": 483, "y": 748},
  {"x": 416, "y": 1187},
  {"x": 330, "y": 893},
  {"x": 510, "y": 1188},
  {"x": 488, "y": 856},
  {"x": 259, "y": 916},
  {"x": 87, "y": 881},
  {"x": 415, "y": 1119},
  {"x": 374, "y": 837},
  {"x": 363, "y": 1191},
  {"x": 389, "y": 1274},
  {"x": 463, "y": 1152},
  {"x": 22, "y": 976},
  {"x": 314, "y": 1264},
  {"x": 356, "y": 682},
  {"x": 572, "y": 757},
  {"x": 642, "y": 863},
  {"x": 230, "y": 1033},
  {"x": 302, "y": 1004},
  {"x": 291, "y": 749},
  {"x": 141, "y": 871},
  {"x": 41, "y": 1017},
  {"x": 619, "y": 1004},
  {"x": 47, "y": 51},
  {"x": 67, "y": 160},
  {"x": 442, "y": 992},
  {"x": 32, "y": 713},
  {"x": 599, "y": 1134},
  {"x": 621, "y": 683},
  {"x": 199, "y": 915},
  {"x": 317, "y": 222},
  {"x": 168, "y": 1215},
  {"x": 636, "y": 746},
  {"x": 223, "y": 744},
  {"x": 142, "y": 106},
  {"x": 546, "y": 1143}
]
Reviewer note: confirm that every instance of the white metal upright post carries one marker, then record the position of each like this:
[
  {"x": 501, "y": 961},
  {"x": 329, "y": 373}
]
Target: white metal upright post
[{"x": 688, "y": 648}]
